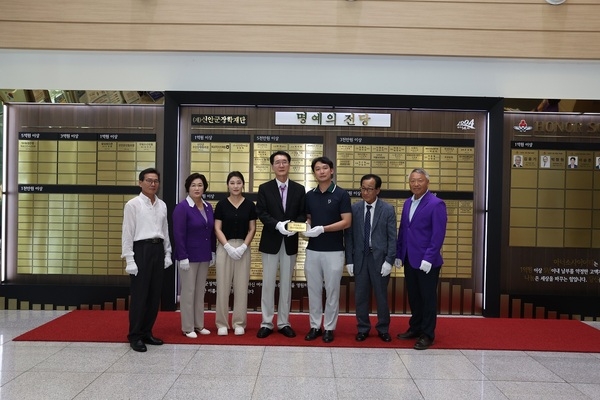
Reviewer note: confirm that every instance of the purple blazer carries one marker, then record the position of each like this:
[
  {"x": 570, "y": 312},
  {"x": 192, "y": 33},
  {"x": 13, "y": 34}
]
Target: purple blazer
[
  {"x": 194, "y": 236},
  {"x": 423, "y": 237}
]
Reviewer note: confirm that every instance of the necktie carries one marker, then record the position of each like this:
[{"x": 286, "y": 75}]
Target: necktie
[
  {"x": 367, "y": 246},
  {"x": 282, "y": 187}
]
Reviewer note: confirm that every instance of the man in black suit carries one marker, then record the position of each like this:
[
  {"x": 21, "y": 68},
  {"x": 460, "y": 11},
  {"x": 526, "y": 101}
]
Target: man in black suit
[
  {"x": 370, "y": 253},
  {"x": 280, "y": 201}
]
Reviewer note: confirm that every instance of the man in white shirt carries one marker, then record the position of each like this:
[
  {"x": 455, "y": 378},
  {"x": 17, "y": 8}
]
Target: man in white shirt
[{"x": 147, "y": 250}]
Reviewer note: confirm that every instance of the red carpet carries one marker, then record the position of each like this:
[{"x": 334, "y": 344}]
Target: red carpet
[{"x": 473, "y": 333}]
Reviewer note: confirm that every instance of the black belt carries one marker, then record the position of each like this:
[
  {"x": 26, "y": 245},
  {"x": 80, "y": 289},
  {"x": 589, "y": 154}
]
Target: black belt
[{"x": 153, "y": 240}]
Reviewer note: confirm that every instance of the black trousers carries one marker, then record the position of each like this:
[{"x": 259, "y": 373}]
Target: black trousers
[
  {"x": 422, "y": 298},
  {"x": 145, "y": 289},
  {"x": 370, "y": 278}
]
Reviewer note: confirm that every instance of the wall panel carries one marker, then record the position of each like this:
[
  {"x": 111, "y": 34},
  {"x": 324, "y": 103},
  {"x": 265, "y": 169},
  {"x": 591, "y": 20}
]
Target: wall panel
[{"x": 531, "y": 29}]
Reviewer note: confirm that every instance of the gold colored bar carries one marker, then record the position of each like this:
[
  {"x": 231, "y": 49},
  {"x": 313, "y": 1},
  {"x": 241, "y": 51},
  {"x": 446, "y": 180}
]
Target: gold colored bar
[
  {"x": 86, "y": 179},
  {"x": 67, "y": 146},
  {"x": 146, "y": 147},
  {"x": 146, "y": 157},
  {"x": 123, "y": 166},
  {"x": 107, "y": 156},
  {"x": 67, "y": 157},
  {"x": 240, "y": 148},
  {"x": 126, "y": 156}
]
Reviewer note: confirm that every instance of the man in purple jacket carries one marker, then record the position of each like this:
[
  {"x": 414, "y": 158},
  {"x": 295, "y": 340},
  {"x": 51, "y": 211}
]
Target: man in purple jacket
[{"x": 420, "y": 239}]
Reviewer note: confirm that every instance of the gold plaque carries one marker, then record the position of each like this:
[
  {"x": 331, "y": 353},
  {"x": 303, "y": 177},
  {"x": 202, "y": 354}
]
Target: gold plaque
[{"x": 296, "y": 226}]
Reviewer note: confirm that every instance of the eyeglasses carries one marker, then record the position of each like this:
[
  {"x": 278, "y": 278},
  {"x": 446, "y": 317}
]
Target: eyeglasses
[
  {"x": 368, "y": 190},
  {"x": 280, "y": 162},
  {"x": 152, "y": 181}
]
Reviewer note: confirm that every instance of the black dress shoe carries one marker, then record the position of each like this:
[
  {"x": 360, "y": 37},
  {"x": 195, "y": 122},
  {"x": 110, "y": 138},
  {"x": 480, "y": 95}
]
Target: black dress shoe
[
  {"x": 313, "y": 334},
  {"x": 423, "y": 343},
  {"x": 361, "y": 336},
  {"x": 287, "y": 331},
  {"x": 264, "y": 332},
  {"x": 384, "y": 336},
  {"x": 152, "y": 340},
  {"x": 408, "y": 335},
  {"x": 138, "y": 345},
  {"x": 328, "y": 336}
]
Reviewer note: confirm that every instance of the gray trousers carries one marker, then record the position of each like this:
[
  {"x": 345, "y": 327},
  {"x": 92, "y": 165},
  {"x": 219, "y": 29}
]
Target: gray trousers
[
  {"x": 271, "y": 264},
  {"x": 319, "y": 267}
]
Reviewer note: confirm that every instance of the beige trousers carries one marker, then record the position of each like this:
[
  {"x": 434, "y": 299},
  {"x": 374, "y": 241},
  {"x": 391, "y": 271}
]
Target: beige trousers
[
  {"x": 191, "y": 301},
  {"x": 236, "y": 272}
]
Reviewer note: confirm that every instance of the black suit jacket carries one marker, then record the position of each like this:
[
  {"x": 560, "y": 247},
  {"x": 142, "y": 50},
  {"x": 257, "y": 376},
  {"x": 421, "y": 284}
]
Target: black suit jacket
[{"x": 270, "y": 212}]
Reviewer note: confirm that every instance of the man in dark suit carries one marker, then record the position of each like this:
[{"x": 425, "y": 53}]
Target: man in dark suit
[
  {"x": 370, "y": 253},
  {"x": 279, "y": 202},
  {"x": 420, "y": 239}
]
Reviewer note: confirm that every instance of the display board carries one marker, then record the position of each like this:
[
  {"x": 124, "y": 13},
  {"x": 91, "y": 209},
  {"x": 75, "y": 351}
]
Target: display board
[
  {"x": 388, "y": 143},
  {"x": 554, "y": 204},
  {"x": 70, "y": 177}
]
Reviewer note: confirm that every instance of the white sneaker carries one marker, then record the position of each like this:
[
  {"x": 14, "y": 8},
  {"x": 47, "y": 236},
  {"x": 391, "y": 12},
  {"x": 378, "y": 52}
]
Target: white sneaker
[
  {"x": 222, "y": 332},
  {"x": 239, "y": 331},
  {"x": 191, "y": 335},
  {"x": 203, "y": 331}
]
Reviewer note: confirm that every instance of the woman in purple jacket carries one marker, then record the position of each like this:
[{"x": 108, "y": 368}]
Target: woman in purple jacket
[{"x": 195, "y": 245}]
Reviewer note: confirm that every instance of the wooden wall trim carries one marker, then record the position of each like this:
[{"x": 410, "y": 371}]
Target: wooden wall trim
[{"x": 530, "y": 29}]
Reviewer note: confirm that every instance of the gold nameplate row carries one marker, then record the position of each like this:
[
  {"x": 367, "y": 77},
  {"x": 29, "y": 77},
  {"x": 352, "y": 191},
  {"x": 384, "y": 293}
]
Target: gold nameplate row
[{"x": 296, "y": 226}]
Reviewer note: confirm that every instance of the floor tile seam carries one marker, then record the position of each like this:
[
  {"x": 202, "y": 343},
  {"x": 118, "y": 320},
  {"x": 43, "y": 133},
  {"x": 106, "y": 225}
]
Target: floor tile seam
[
  {"x": 227, "y": 348},
  {"x": 481, "y": 379},
  {"x": 480, "y": 366},
  {"x": 559, "y": 354},
  {"x": 88, "y": 385},
  {"x": 576, "y": 388},
  {"x": 548, "y": 369},
  {"x": 500, "y": 389},
  {"x": 12, "y": 379},
  {"x": 370, "y": 378},
  {"x": 525, "y": 380},
  {"x": 255, "y": 384},
  {"x": 109, "y": 364},
  {"x": 260, "y": 365},
  {"x": 187, "y": 364},
  {"x": 172, "y": 385}
]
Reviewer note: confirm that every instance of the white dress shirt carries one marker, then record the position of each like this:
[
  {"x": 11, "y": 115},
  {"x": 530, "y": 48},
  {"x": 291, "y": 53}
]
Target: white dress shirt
[{"x": 144, "y": 220}]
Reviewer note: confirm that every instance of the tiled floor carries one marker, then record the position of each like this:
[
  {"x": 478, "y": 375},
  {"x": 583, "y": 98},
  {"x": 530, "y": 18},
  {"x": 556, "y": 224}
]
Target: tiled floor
[{"x": 51, "y": 370}]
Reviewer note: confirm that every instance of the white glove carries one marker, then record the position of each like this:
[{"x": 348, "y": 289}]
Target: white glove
[
  {"x": 386, "y": 269},
  {"x": 184, "y": 264},
  {"x": 131, "y": 268},
  {"x": 314, "y": 232},
  {"x": 398, "y": 263},
  {"x": 281, "y": 228},
  {"x": 231, "y": 251},
  {"x": 168, "y": 261},
  {"x": 350, "y": 269},
  {"x": 213, "y": 259},
  {"x": 425, "y": 266},
  {"x": 240, "y": 250}
]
